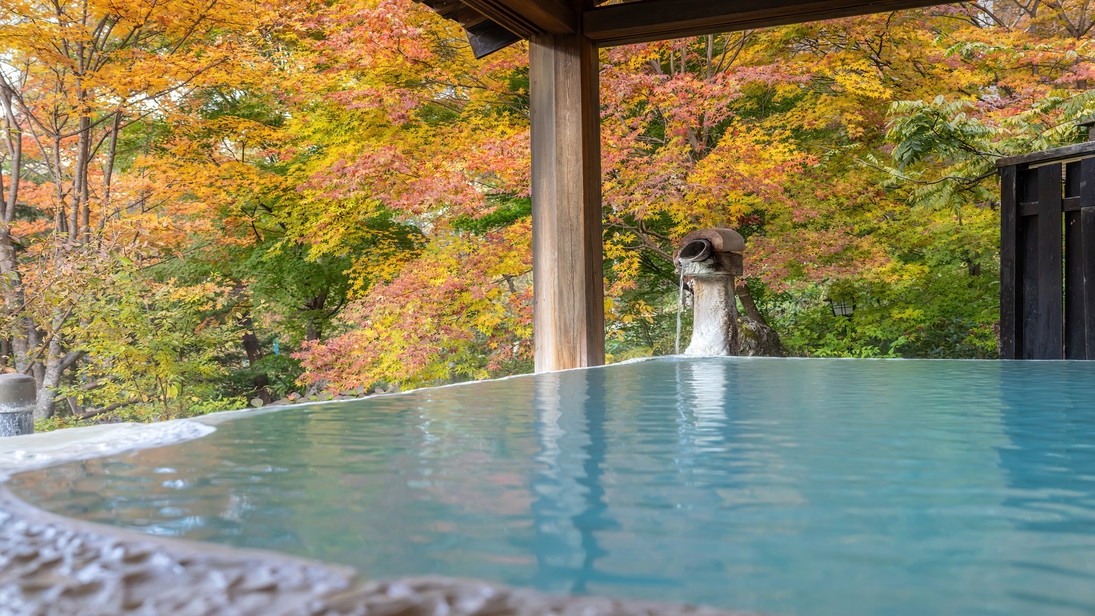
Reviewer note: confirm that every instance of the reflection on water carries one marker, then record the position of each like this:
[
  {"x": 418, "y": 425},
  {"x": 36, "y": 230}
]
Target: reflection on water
[
  {"x": 570, "y": 508},
  {"x": 1045, "y": 445},
  {"x": 789, "y": 486}
]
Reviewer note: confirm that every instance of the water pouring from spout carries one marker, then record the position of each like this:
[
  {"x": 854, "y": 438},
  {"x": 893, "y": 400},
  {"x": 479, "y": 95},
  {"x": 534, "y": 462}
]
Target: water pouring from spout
[
  {"x": 712, "y": 258},
  {"x": 696, "y": 250}
]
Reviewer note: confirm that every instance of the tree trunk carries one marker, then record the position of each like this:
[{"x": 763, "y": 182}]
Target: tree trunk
[
  {"x": 14, "y": 138},
  {"x": 81, "y": 208},
  {"x": 313, "y": 323},
  {"x": 51, "y": 377},
  {"x": 53, "y": 369},
  {"x": 14, "y": 298},
  {"x": 61, "y": 222},
  {"x": 105, "y": 208},
  {"x": 755, "y": 337},
  {"x": 13, "y": 292},
  {"x": 250, "y": 340}
]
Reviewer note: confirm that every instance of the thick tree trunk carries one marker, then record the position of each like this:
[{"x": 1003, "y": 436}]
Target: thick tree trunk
[
  {"x": 13, "y": 296},
  {"x": 755, "y": 337},
  {"x": 24, "y": 335},
  {"x": 23, "y": 342},
  {"x": 53, "y": 369},
  {"x": 51, "y": 377},
  {"x": 43, "y": 406}
]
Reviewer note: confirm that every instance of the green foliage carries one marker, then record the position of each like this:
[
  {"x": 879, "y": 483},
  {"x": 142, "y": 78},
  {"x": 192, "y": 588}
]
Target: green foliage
[
  {"x": 945, "y": 152},
  {"x": 154, "y": 349},
  {"x": 936, "y": 298},
  {"x": 302, "y": 295},
  {"x": 644, "y": 316},
  {"x": 938, "y": 128},
  {"x": 507, "y": 211},
  {"x": 58, "y": 422},
  {"x": 280, "y": 373}
]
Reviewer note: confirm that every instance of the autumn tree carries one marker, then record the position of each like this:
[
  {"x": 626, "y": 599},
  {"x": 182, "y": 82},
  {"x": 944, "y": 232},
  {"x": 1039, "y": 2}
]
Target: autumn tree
[
  {"x": 74, "y": 77},
  {"x": 886, "y": 201},
  {"x": 684, "y": 151},
  {"x": 412, "y": 127}
]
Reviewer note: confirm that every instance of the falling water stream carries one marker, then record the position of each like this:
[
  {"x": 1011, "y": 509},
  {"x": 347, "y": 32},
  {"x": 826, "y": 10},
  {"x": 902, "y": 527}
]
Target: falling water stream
[{"x": 680, "y": 307}]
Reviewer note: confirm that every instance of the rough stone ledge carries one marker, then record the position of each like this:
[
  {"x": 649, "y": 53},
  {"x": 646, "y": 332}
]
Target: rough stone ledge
[
  {"x": 56, "y": 566},
  {"x": 29, "y": 451}
]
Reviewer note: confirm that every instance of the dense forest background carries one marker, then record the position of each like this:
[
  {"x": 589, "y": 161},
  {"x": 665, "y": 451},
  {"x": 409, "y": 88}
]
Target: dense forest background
[{"x": 207, "y": 202}]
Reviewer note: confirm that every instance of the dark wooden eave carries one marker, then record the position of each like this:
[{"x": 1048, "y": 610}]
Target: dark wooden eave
[
  {"x": 653, "y": 20},
  {"x": 494, "y": 24}
]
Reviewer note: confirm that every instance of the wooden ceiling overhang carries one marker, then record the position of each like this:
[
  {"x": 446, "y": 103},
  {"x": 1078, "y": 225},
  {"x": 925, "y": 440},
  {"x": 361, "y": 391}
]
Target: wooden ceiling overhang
[{"x": 494, "y": 24}]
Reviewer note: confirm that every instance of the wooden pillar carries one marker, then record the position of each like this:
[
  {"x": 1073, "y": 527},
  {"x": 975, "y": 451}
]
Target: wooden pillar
[
  {"x": 1031, "y": 261},
  {"x": 1010, "y": 300},
  {"x": 567, "y": 250},
  {"x": 1080, "y": 260},
  {"x": 1044, "y": 319}
]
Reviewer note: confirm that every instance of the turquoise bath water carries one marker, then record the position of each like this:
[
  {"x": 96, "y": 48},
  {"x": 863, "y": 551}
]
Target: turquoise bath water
[{"x": 806, "y": 487}]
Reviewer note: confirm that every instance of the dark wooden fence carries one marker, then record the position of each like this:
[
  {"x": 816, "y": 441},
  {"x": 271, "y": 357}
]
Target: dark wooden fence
[{"x": 1047, "y": 254}]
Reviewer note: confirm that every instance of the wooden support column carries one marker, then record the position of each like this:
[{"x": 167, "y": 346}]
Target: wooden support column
[
  {"x": 1011, "y": 300},
  {"x": 1079, "y": 209},
  {"x": 1045, "y": 312},
  {"x": 567, "y": 250}
]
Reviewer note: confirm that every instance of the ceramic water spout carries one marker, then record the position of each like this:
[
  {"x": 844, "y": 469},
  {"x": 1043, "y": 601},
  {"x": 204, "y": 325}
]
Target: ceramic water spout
[{"x": 712, "y": 258}]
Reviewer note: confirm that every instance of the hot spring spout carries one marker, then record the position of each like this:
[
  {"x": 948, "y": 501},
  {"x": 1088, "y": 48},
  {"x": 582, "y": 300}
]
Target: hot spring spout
[
  {"x": 696, "y": 250},
  {"x": 712, "y": 258}
]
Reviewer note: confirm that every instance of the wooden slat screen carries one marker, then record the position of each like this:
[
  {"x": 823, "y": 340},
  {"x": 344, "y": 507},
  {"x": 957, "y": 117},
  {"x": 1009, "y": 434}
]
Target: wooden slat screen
[{"x": 1047, "y": 255}]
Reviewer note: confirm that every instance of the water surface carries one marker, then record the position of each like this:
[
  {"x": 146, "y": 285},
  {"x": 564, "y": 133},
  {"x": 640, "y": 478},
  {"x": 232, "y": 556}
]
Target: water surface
[{"x": 809, "y": 487}]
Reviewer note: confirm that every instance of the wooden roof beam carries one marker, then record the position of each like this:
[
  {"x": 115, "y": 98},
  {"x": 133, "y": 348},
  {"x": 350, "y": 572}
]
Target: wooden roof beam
[
  {"x": 651, "y": 20},
  {"x": 526, "y": 18}
]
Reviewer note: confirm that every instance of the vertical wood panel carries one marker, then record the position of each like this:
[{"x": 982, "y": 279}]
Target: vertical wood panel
[
  {"x": 1078, "y": 181},
  {"x": 1087, "y": 235},
  {"x": 1075, "y": 345},
  {"x": 1086, "y": 182},
  {"x": 1075, "y": 338},
  {"x": 1072, "y": 179},
  {"x": 1048, "y": 339},
  {"x": 1027, "y": 249},
  {"x": 1028, "y": 185},
  {"x": 1082, "y": 323},
  {"x": 1009, "y": 214},
  {"x": 567, "y": 248}
]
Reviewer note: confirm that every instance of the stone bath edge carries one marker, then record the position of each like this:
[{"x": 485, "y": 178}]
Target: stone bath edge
[{"x": 51, "y": 565}]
